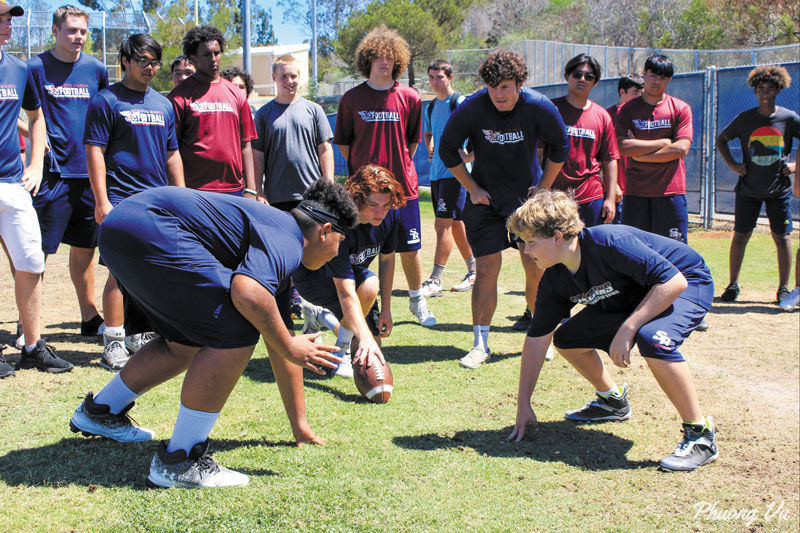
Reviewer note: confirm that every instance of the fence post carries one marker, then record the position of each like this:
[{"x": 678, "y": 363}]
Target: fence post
[
  {"x": 28, "y": 33},
  {"x": 105, "y": 61},
  {"x": 708, "y": 187}
]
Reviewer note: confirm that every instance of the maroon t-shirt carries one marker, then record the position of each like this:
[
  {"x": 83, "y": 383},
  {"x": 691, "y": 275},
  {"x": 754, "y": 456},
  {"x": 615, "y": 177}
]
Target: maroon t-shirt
[
  {"x": 379, "y": 126},
  {"x": 591, "y": 141},
  {"x": 21, "y": 144},
  {"x": 670, "y": 119},
  {"x": 623, "y": 161},
  {"x": 212, "y": 122}
]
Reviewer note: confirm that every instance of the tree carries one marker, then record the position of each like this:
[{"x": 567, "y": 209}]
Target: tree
[
  {"x": 331, "y": 15},
  {"x": 416, "y": 26}
]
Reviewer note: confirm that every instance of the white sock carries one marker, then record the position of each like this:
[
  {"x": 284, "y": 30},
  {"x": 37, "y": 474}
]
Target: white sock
[
  {"x": 344, "y": 337},
  {"x": 330, "y": 320},
  {"x": 613, "y": 391},
  {"x": 481, "y": 337},
  {"x": 191, "y": 427},
  {"x": 116, "y": 333},
  {"x": 414, "y": 294},
  {"x": 116, "y": 395}
]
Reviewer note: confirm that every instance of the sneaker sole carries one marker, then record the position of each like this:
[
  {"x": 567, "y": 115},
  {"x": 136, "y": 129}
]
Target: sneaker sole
[
  {"x": 454, "y": 289},
  {"x": 612, "y": 418},
  {"x": 48, "y": 370},
  {"x": 152, "y": 483},
  {"x": 75, "y": 429},
  {"x": 709, "y": 460},
  {"x": 109, "y": 367}
]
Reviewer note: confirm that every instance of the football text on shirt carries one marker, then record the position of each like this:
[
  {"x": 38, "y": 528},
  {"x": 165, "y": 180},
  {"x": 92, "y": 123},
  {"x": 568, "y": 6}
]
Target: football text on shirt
[
  {"x": 68, "y": 91},
  {"x": 379, "y": 116},
  {"x": 8, "y": 92},
  {"x": 500, "y": 137},
  {"x": 659, "y": 124},
  {"x": 363, "y": 255},
  {"x": 595, "y": 294},
  {"x": 144, "y": 117},
  {"x": 585, "y": 133},
  {"x": 212, "y": 107}
]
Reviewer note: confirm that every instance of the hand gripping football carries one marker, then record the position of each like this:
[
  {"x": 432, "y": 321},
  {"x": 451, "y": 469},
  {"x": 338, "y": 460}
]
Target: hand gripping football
[{"x": 375, "y": 382}]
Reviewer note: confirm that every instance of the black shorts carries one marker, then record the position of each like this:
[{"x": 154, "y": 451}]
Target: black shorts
[{"x": 486, "y": 230}]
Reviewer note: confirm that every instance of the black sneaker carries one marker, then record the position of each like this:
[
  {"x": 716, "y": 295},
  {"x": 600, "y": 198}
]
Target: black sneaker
[
  {"x": 523, "y": 322},
  {"x": 731, "y": 292},
  {"x": 91, "y": 328},
  {"x": 197, "y": 470},
  {"x": 696, "y": 449},
  {"x": 611, "y": 409},
  {"x": 6, "y": 369},
  {"x": 44, "y": 358},
  {"x": 782, "y": 294}
]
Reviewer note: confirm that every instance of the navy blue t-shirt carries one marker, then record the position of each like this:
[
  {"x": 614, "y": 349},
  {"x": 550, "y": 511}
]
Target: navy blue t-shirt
[
  {"x": 619, "y": 265},
  {"x": 137, "y": 130},
  {"x": 16, "y": 91},
  {"x": 504, "y": 143},
  {"x": 65, "y": 90}
]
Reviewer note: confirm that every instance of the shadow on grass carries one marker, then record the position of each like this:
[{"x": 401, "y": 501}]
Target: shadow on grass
[
  {"x": 561, "y": 441},
  {"x": 743, "y": 307},
  {"x": 82, "y": 461},
  {"x": 465, "y": 327}
]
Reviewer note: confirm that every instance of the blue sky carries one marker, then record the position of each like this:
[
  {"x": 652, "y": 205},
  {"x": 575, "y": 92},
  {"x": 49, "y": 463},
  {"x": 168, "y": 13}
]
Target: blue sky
[{"x": 286, "y": 33}]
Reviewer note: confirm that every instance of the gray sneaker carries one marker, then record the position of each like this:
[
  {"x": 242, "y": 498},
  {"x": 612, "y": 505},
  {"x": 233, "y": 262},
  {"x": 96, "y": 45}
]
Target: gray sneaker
[
  {"x": 345, "y": 368},
  {"x": 94, "y": 419},
  {"x": 475, "y": 358},
  {"x": 611, "y": 409},
  {"x": 695, "y": 450},
  {"x": 419, "y": 307},
  {"x": 115, "y": 355},
  {"x": 312, "y": 319},
  {"x": 791, "y": 301},
  {"x": 195, "y": 471},
  {"x": 135, "y": 342}
]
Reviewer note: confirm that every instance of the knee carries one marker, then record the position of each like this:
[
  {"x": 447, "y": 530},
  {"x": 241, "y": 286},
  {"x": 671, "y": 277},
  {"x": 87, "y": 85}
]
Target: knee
[
  {"x": 368, "y": 291},
  {"x": 741, "y": 239}
]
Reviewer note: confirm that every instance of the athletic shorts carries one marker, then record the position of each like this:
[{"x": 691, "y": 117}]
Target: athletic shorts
[
  {"x": 779, "y": 213},
  {"x": 410, "y": 231},
  {"x": 590, "y": 212},
  {"x": 667, "y": 216},
  {"x": 618, "y": 215},
  {"x": 448, "y": 198},
  {"x": 19, "y": 228},
  {"x": 308, "y": 284},
  {"x": 181, "y": 288},
  {"x": 66, "y": 212},
  {"x": 486, "y": 230},
  {"x": 660, "y": 338}
]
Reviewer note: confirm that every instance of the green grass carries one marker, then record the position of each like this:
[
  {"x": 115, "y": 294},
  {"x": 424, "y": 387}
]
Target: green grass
[{"x": 433, "y": 458}]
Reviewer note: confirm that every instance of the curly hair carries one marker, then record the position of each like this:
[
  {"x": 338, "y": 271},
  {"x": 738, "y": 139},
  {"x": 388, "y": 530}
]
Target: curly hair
[
  {"x": 374, "y": 179},
  {"x": 331, "y": 197},
  {"x": 502, "y": 65},
  {"x": 202, "y": 34},
  {"x": 232, "y": 72},
  {"x": 769, "y": 74},
  {"x": 545, "y": 213},
  {"x": 382, "y": 42}
]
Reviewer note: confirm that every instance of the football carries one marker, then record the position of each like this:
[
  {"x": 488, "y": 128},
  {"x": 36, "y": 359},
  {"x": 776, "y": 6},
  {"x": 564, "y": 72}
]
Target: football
[{"x": 375, "y": 382}]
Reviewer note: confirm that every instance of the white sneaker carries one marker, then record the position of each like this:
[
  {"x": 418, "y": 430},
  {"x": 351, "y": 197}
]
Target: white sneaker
[
  {"x": 19, "y": 343},
  {"x": 115, "y": 355},
  {"x": 791, "y": 301},
  {"x": 465, "y": 284},
  {"x": 312, "y": 319},
  {"x": 134, "y": 342},
  {"x": 93, "y": 419},
  {"x": 197, "y": 470},
  {"x": 420, "y": 309},
  {"x": 431, "y": 288},
  {"x": 475, "y": 358},
  {"x": 551, "y": 353},
  {"x": 345, "y": 368}
]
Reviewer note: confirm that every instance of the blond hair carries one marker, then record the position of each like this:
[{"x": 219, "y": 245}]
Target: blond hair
[
  {"x": 287, "y": 59},
  {"x": 383, "y": 42},
  {"x": 544, "y": 214},
  {"x": 60, "y": 15}
]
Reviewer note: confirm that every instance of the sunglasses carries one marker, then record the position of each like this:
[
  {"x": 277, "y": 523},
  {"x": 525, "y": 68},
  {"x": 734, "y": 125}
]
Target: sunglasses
[
  {"x": 581, "y": 75},
  {"x": 144, "y": 62}
]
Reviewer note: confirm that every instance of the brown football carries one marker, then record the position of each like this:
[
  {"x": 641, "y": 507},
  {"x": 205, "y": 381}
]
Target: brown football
[{"x": 375, "y": 382}]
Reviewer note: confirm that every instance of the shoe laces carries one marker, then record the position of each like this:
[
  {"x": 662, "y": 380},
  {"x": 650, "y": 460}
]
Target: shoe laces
[{"x": 206, "y": 464}]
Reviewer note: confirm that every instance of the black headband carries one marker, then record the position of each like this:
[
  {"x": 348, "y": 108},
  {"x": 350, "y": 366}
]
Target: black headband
[{"x": 321, "y": 216}]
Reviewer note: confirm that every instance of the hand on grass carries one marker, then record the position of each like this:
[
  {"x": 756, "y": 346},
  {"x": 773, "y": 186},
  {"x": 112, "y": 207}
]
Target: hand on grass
[
  {"x": 304, "y": 434},
  {"x": 525, "y": 416},
  {"x": 303, "y": 352}
]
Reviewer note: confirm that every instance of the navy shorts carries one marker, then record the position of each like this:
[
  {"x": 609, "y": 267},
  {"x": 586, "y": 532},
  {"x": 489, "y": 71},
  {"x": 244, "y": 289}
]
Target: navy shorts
[
  {"x": 181, "y": 289},
  {"x": 590, "y": 212},
  {"x": 410, "y": 231},
  {"x": 618, "y": 215},
  {"x": 448, "y": 198},
  {"x": 65, "y": 208},
  {"x": 308, "y": 284},
  {"x": 667, "y": 216},
  {"x": 486, "y": 230},
  {"x": 779, "y": 212},
  {"x": 594, "y": 328}
]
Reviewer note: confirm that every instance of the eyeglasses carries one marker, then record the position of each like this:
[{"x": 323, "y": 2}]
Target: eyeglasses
[
  {"x": 144, "y": 62},
  {"x": 582, "y": 75}
]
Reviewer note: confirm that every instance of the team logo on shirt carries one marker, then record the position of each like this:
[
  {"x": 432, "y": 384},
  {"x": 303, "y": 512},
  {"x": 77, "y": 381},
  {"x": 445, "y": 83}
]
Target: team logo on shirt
[
  {"x": 379, "y": 116},
  {"x": 79, "y": 92},
  {"x": 504, "y": 137},
  {"x": 595, "y": 294},
  {"x": 584, "y": 133},
  {"x": 363, "y": 255},
  {"x": 766, "y": 146},
  {"x": 660, "y": 124},
  {"x": 8, "y": 92},
  {"x": 144, "y": 117},
  {"x": 212, "y": 107}
]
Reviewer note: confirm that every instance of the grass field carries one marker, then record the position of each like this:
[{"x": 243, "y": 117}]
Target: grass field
[{"x": 434, "y": 458}]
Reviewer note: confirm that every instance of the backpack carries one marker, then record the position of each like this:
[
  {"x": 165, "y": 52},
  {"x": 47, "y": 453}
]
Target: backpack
[{"x": 453, "y": 105}]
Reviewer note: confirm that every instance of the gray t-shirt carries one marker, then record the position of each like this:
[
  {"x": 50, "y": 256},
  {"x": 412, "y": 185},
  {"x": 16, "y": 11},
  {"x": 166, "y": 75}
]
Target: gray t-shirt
[
  {"x": 766, "y": 145},
  {"x": 289, "y": 134}
]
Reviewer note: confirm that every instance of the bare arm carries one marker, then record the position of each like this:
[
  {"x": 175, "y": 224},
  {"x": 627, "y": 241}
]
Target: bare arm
[
  {"x": 533, "y": 352},
  {"x": 412, "y": 149},
  {"x": 477, "y": 194},
  {"x": 175, "y": 169},
  {"x": 259, "y": 164},
  {"x": 724, "y": 150},
  {"x": 673, "y": 151},
  {"x": 326, "y": 164},
  {"x": 551, "y": 170},
  {"x": 428, "y": 138},
  {"x": 353, "y": 319},
  {"x": 247, "y": 167},
  {"x": 345, "y": 149},
  {"x": 22, "y": 128},
  {"x": 631, "y": 147},
  {"x": 610, "y": 188},
  {"x": 386, "y": 264},
  {"x": 96, "y": 164},
  {"x": 38, "y": 134},
  {"x": 655, "y": 302}
]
